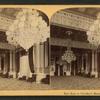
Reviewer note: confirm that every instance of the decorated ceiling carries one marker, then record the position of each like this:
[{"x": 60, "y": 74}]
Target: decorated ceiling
[
  {"x": 85, "y": 11},
  {"x": 76, "y": 25},
  {"x": 9, "y": 12}
]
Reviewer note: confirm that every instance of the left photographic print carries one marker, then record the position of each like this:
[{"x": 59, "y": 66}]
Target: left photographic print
[{"x": 24, "y": 49}]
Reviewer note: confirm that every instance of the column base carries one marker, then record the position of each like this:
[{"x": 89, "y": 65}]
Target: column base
[
  {"x": 21, "y": 75},
  {"x": 12, "y": 75},
  {"x": 1, "y": 71},
  {"x": 68, "y": 73},
  {"x": 39, "y": 77},
  {"x": 94, "y": 74},
  {"x": 4, "y": 74},
  {"x": 52, "y": 74},
  {"x": 86, "y": 72}
]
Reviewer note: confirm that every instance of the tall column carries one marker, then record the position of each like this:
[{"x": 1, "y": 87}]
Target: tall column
[
  {"x": 34, "y": 58},
  {"x": 93, "y": 64},
  {"x": 58, "y": 70},
  {"x": 68, "y": 72},
  {"x": 0, "y": 64},
  {"x": 46, "y": 54},
  {"x": 70, "y": 68},
  {"x": 42, "y": 58},
  {"x": 38, "y": 75},
  {"x": 74, "y": 66},
  {"x": 89, "y": 63},
  {"x": 41, "y": 61},
  {"x": 12, "y": 69},
  {"x": 86, "y": 63},
  {"x": 11, "y": 64},
  {"x": 5, "y": 69},
  {"x": 37, "y": 57},
  {"x": 82, "y": 67},
  {"x": 40, "y": 64},
  {"x": 14, "y": 64},
  {"x": 96, "y": 65},
  {"x": 78, "y": 65},
  {"x": 65, "y": 69}
]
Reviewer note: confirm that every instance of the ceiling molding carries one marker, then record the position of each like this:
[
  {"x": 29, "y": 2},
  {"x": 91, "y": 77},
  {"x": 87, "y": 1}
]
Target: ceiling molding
[
  {"x": 69, "y": 19},
  {"x": 80, "y": 13},
  {"x": 65, "y": 26},
  {"x": 65, "y": 43}
]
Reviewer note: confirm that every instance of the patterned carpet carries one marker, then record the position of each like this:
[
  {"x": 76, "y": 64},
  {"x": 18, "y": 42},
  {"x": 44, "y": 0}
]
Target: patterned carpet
[
  {"x": 15, "y": 84},
  {"x": 74, "y": 82}
]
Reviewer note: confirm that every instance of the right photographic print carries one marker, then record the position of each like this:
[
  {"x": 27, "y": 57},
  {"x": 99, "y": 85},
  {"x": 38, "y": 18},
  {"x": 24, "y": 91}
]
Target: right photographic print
[{"x": 75, "y": 49}]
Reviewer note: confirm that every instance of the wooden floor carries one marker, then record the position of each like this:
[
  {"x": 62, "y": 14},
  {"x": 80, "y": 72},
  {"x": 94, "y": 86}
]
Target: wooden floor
[
  {"x": 74, "y": 82},
  {"x": 15, "y": 84}
]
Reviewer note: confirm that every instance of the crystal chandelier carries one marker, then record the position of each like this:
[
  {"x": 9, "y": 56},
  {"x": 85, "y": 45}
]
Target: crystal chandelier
[
  {"x": 28, "y": 28},
  {"x": 93, "y": 33},
  {"x": 69, "y": 56}
]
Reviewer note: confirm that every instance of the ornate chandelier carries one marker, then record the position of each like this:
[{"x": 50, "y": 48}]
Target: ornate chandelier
[
  {"x": 69, "y": 56},
  {"x": 28, "y": 28},
  {"x": 94, "y": 33}
]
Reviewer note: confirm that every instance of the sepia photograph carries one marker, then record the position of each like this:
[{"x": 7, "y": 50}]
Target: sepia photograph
[
  {"x": 24, "y": 49},
  {"x": 75, "y": 49},
  {"x": 55, "y": 49}
]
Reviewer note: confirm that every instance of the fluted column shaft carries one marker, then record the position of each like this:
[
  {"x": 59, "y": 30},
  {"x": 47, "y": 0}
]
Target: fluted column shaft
[
  {"x": 0, "y": 65},
  {"x": 12, "y": 69},
  {"x": 93, "y": 63},
  {"x": 82, "y": 68},
  {"x": 34, "y": 58},
  {"x": 42, "y": 58},
  {"x": 14, "y": 64},
  {"x": 46, "y": 54},
  {"x": 96, "y": 66},
  {"x": 37, "y": 58},
  {"x": 5, "y": 69},
  {"x": 40, "y": 62},
  {"x": 86, "y": 63},
  {"x": 11, "y": 64}
]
